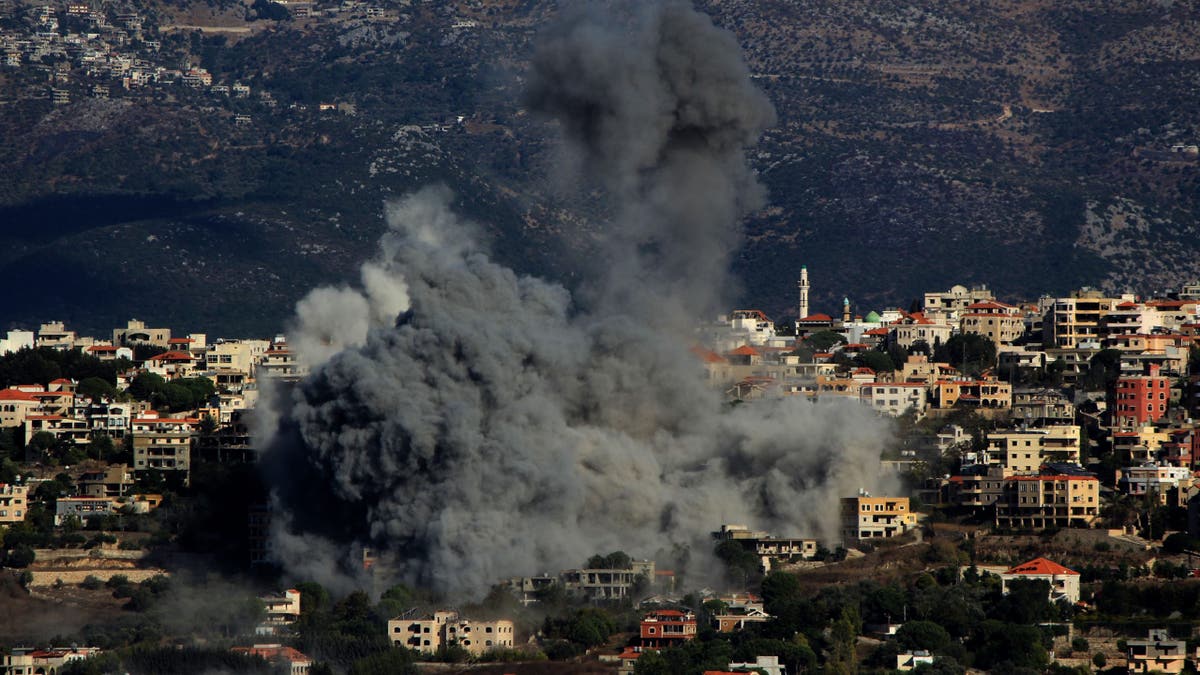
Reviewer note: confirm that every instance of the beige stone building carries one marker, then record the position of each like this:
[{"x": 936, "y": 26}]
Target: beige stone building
[
  {"x": 137, "y": 332},
  {"x": 163, "y": 443},
  {"x": 14, "y": 502},
  {"x": 998, "y": 322},
  {"x": 1024, "y": 451},
  {"x": 446, "y": 628},
  {"x": 1049, "y": 500},
  {"x": 867, "y": 517}
]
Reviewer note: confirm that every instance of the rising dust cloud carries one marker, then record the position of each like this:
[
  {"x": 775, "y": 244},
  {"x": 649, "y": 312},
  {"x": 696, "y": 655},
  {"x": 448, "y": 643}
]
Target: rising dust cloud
[{"x": 476, "y": 423}]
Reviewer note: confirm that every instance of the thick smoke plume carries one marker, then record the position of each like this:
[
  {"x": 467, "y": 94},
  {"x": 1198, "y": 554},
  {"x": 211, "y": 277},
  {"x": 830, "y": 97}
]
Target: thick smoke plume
[{"x": 478, "y": 423}]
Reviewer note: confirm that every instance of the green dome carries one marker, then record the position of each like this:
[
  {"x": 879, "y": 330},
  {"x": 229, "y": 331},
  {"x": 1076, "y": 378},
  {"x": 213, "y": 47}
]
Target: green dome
[{"x": 873, "y": 318}]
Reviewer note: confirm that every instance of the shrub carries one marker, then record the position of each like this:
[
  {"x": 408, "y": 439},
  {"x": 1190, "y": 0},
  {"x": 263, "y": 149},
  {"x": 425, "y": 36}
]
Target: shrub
[{"x": 92, "y": 582}]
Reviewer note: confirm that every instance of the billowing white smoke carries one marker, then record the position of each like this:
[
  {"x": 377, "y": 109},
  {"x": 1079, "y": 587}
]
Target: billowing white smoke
[{"x": 478, "y": 423}]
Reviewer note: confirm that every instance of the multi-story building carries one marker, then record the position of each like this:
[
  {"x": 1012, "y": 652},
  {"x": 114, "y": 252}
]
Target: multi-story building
[
  {"x": 1058, "y": 496},
  {"x": 867, "y": 517},
  {"x": 55, "y": 335},
  {"x": 665, "y": 628},
  {"x": 990, "y": 394},
  {"x": 603, "y": 585},
  {"x": 1140, "y": 399},
  {"x": 1071, "y": 322},
  {"x": 163, "y": 443},
  {"x": 448, "y": 628},
  {"x": 1000, "y": 323},
  {"x": 978, "y": 488},
  {"x": 62, "y": 428},
  {"x": 1159, "y": 653},
  {"x": 14, "y": 502},
  {"x": 16, "y": 405},
  {"x": 1153, "y": 479},
  {"x": 280, "y": 362},
  {"x": 136, "y": 332},
  {"x": 915, "y": 328},
  {"x": 1040, "y": 407},
  {"x": 895, "y": 398},
  {"x": 1023, "y": 451},
  {"x": 946, "y": 307},
  {"x": 282, "y": 610},
  {"x": 112, "y": 483},
  {"x": 1140, "y": 445}
]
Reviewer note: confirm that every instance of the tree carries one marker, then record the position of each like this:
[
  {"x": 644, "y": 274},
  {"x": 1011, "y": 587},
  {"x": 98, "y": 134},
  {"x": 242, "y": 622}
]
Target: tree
[
  {"x": 925, "y": 635},
  {"x": 617, "y": 560},
  {"x": 96, "y": 388},
  {"x": 824, "y": 340},
  {"x": 20, "y": 557},
  {"x": 875, "y": 360},
  {"x": 970, "y": 353}
]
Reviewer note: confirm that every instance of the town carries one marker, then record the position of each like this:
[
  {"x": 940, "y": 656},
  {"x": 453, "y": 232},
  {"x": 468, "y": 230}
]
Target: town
[{"x": 1045, "y": 451}]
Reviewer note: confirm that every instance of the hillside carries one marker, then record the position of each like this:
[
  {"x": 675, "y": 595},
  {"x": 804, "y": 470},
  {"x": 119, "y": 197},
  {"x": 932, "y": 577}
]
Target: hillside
[{"x": 1021, "y": 143}]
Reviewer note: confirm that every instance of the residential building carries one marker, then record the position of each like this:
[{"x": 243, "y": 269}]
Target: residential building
[
  {"x": 666, "y": 628},
  {"x": 769, "y": 549},
  {"x": 1041, "y": 407},
  {"x": 602, "y": 585},
  {"x": 740, "y": 610},
  {"x": 914, "y": 328},
  {"x": 62, "y": 428},
  {"x": 280, "y": 362},
  {"x": 865, "y": 517},
  {"x": 43, "y": 661},
  {"x": 294, "y": 660},
  {"x": 173, "y": 365},
  {"x": 911, "y": 659},
  {"x": 14, "y": 502},
  {"x": 1151, "y": 479},
  {"x": 1064, "y": 582},
  {"x": 1074, "y": 321},
  {"x": 945, "y": 307},
  {"x": 986, "y": 394},
  {"x": 1000, "y": 323},
  {"x": 282, "y": 610},
  {"x": 1159, "y": 653},
  {"x": 163, "y": 443},
  {"x": 136, "y": 332},
  {"x": 113, "y": 482},
  {"x": 16, "y": 405},
  {"x": 977, "y": 488},
  {"x": 447, "y": 627},
  {"x": 1058, "y": 496},
  {"x": 55, "y": 335},
  {"x": 83, "y": 508},
  {"x": 895, "y": 398},
  {"x": 1023, "y": 451},
  {"x": 1140, "y": 399},
  {"x": 766, "y": 665},
  {"x": 16, "y": 340},
  {"x": 1141, "y": 445}
]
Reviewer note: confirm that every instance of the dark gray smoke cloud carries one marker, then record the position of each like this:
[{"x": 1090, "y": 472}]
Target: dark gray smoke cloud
[{"x": 478, "y": 423}]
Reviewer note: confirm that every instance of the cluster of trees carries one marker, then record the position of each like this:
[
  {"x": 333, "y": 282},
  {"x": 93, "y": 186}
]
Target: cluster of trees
[
  {"x": 964, "y": 619},
  {"x": 43, "y": 365},
  {"x": 176, "y": 395}
]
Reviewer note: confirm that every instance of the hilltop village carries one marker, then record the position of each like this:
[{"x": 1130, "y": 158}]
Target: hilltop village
[{"x": 1046, "y": 519}]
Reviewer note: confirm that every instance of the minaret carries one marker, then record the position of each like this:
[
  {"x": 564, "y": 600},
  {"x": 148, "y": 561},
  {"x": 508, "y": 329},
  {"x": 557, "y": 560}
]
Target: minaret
[
  {"x": 803, "y": 285},
  {"x": 845, "y": 310}
]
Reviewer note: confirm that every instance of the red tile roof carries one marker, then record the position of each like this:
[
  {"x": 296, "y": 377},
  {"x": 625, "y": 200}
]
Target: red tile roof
[
  {"x": 745, "y": 350},
  {"x": 1042, "y": 567},
  {"x": 15, "y": 395},
  {"x": 989, "y": 304},
  {"x": 817, "y": 318},
  {"x": 706, "y": 355},
  {"x": 172, "y": 356}
]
